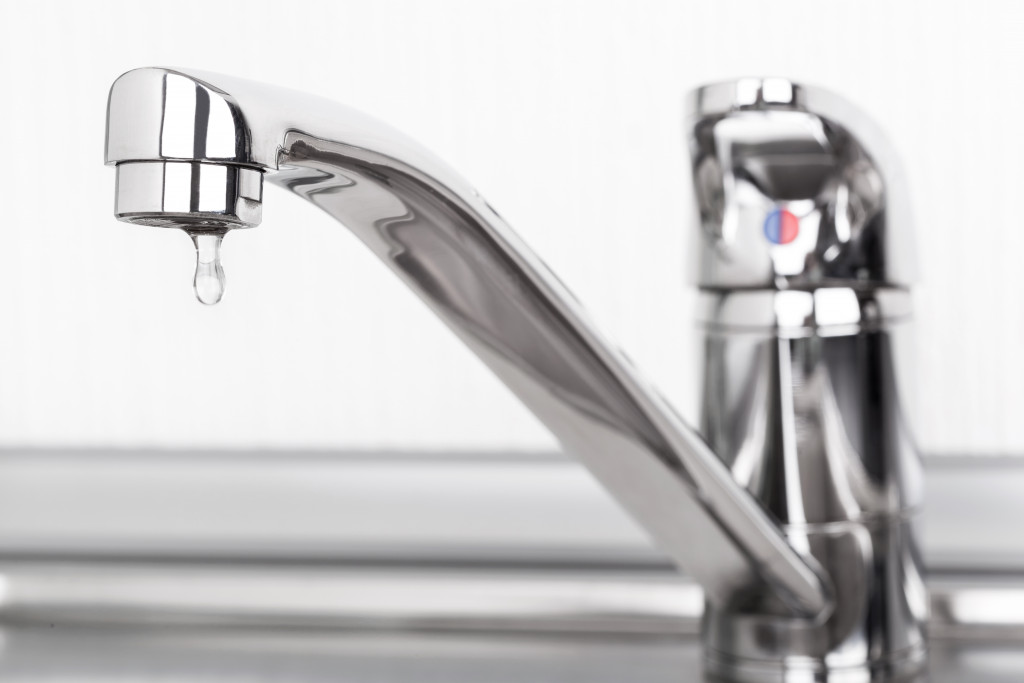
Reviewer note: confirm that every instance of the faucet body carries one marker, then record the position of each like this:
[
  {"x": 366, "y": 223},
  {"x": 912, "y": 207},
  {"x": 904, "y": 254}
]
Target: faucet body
[
  {"x": 803, "y": 272},
  {"x": 192, "y": 150}
]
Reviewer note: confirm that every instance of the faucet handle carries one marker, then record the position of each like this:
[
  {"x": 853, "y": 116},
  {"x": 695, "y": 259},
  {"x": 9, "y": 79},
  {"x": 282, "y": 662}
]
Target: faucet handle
[{"x": 795, "y": 189}]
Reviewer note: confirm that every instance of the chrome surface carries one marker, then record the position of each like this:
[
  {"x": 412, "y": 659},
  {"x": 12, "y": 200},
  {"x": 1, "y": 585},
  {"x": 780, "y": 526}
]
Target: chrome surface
[
  {"x": 595, "y": 596},
  {"x": 173, "y": 655},
  {"x": 80, "y": 621},
  {"x": 199, "y": 195},
  {"x": 812, "y": 427},
  {"x": 803, "y": 270},
  {"x": 810, "y": 571},
  {"x": 764, "y": 144},
  {"x": 369, "y": 595},
  {"x": 450, "y": 247},
  {"x": 796, "y": 313}
]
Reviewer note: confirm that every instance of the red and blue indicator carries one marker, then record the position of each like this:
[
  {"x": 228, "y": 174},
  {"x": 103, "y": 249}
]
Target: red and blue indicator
[{"x": 781, "y": 227}]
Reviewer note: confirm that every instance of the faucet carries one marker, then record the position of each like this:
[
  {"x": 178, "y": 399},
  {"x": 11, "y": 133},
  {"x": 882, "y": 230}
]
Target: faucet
[{"x": 792, "y": 504}]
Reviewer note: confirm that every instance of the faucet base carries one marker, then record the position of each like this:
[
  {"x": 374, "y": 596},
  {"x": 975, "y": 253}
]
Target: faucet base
[
  {"x": 905, "y": 666},
  {"x": 875, "y": 633},
  {"x": 814, "y": 427}
]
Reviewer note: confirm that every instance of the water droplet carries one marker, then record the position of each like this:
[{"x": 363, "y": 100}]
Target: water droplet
[{"x": 209, "y": 280}]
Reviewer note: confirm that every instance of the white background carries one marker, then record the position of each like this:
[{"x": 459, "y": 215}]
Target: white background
[{"x": 566, "y": 116}]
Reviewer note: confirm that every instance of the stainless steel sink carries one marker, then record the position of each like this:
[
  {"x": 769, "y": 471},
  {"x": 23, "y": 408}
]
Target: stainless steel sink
[
  {"x": 215, "y": 592},
  {"x": 60, "y": 652}
]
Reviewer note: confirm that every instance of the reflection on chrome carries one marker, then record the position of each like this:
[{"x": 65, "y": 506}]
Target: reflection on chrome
[{"x": 806, "y": 566}]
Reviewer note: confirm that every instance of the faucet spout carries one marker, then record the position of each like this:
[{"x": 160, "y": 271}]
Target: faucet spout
[{"x": 191, "y": 150}]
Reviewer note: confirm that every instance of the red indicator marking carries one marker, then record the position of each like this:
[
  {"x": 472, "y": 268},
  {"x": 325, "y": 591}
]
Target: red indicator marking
[{"x": 781, "y": 227}]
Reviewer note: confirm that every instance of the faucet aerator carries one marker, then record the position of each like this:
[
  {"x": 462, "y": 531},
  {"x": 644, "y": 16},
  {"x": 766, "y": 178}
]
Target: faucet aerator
[{"x": 191, "y": 195}]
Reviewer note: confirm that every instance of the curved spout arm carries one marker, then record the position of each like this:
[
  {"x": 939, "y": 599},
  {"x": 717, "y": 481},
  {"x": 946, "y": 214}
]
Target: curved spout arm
[{"x": 191, "y": 149}]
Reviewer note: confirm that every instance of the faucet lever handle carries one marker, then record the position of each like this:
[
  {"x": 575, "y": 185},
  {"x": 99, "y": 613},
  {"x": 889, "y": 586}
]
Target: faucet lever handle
[{"x": 794, "y": 188}]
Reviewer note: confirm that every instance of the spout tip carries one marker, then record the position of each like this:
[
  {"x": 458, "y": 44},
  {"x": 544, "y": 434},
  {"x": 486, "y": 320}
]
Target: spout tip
[{"x": 190, "y": 195}]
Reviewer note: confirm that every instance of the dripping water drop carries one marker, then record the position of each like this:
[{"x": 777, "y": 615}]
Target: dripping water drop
[{"x": 209, "y": 279}]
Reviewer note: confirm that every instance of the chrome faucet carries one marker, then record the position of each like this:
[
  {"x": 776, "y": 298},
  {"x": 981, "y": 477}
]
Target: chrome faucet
[{"x": 799, "y": 529}]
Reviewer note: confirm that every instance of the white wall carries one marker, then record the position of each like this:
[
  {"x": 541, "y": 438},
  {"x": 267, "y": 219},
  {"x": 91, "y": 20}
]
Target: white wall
[{"x": 566, "y": 115}]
